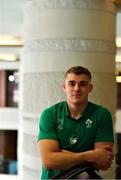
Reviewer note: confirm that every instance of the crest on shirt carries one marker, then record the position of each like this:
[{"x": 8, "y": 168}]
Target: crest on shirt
[{"x": 88, "y": 123}]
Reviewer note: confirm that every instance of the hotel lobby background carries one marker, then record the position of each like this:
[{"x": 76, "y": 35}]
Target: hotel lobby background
[{"x": 48, "y": 37}]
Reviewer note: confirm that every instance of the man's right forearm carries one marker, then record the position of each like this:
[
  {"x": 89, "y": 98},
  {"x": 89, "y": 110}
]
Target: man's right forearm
[
  {"x": 55, "y": 158},
  {"x": 65, "y": 159},
  {"x": 100, "y": 158}
]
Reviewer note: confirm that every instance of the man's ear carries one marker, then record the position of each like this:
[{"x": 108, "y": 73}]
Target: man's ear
[
  {"x": 63, "y": 86},
  {"x": 91, "y": 87}
]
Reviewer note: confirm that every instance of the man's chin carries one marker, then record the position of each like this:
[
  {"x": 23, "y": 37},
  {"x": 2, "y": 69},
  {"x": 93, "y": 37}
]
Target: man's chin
[{"x": 76, "y": 102}]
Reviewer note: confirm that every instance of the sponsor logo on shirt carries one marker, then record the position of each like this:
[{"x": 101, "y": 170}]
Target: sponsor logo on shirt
[
  {"x": 60, "y": 124},
  {"x": 73, "y": 140}
]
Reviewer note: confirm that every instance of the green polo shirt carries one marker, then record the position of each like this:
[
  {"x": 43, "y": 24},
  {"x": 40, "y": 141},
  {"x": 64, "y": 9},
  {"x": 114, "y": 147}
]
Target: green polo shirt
[{"x": 80, "y": 135}]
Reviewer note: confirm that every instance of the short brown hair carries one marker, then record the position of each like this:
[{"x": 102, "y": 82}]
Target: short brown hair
[{"x": 78, "y": 70}]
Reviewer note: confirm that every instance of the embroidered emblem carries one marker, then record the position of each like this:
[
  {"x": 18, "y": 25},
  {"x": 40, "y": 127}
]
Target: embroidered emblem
[
  {"x": 88, "y": 123},
  {"x": 73, "y": 140}
]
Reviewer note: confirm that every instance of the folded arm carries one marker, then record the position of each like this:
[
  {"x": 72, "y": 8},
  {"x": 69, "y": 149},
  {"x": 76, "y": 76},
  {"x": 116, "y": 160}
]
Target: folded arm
[
  {"x": 55, "y": 158},
  {"x": 103, "y": 162}
]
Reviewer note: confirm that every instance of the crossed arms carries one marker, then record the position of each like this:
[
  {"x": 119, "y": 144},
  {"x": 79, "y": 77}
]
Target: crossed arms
[{"x": 55, "y": 158}]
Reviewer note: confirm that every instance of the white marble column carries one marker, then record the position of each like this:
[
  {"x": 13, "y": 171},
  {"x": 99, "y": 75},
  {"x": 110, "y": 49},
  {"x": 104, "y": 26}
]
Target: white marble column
[{"x": 60, "y": 34}]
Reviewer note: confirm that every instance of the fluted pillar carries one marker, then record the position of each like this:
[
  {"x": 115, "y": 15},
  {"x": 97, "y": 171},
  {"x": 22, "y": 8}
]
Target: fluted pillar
[{"x": 60, "y": 34}]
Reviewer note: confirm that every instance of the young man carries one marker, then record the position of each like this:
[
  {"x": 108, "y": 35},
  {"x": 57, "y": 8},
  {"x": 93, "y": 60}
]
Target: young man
[{"x": 76, "y": 130}]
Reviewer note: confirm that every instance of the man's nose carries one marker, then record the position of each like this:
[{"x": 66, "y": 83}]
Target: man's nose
[{"x": 77, "y": 86}]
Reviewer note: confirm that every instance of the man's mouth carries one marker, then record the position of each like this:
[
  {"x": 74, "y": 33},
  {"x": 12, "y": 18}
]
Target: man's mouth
[{"x": 76, "y": 94}]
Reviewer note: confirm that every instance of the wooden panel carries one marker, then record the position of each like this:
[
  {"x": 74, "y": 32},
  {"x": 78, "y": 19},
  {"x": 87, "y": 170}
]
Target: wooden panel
[
  {"x": 117, "y": 2},
  {"x": 8, "y": 144},
  {"x": 119, "y": 95},
  {"x": 2, "y": 88}
]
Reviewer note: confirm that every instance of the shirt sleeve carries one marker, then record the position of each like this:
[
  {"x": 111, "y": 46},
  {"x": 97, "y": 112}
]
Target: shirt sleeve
[
  {"x": 47, "y": 126},
  {"x": 105, "y": 126}
]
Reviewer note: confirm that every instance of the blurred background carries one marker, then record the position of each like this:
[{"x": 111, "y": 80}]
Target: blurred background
[{"x": 37, "y": 44}]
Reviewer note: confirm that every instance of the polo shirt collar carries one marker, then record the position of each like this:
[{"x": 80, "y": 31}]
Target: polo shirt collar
[
  {"x": 86, "y": 113},
  {"x": 88, "y": 110}
]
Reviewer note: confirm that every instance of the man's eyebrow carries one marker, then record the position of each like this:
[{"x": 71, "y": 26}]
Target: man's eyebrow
[
  {"x": 83, "y": 82},
  {"x": 69, "y": 81}
]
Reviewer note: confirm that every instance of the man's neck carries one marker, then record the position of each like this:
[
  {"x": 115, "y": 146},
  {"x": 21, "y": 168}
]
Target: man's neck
[{"x": 77, "y": 110}]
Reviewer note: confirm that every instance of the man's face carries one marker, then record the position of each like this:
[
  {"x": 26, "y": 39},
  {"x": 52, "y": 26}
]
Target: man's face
[{"x": 77, "y": 88}]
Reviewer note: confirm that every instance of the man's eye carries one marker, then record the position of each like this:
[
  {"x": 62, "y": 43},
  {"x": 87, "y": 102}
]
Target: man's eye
[
  {"x": 71, "y": 84},
  {"x": 83, "y": 84}
]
